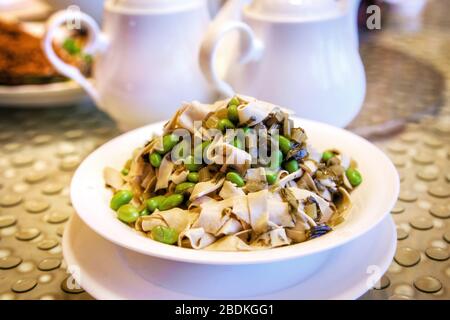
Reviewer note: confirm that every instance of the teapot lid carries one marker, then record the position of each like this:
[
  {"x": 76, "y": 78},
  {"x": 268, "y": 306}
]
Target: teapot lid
[
  {"x": 152, "y": 5},
  {"x": 295, "y": 10}
]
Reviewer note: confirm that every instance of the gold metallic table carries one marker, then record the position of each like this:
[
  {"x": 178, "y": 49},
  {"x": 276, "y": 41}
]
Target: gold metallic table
[{"x": 408, "y": 97}]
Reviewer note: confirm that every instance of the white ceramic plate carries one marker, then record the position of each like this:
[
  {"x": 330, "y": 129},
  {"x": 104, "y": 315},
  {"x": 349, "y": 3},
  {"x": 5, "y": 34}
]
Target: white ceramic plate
[
  {"x": 59, "y": 94},
  {"x": 101, "y": 269},
  {"x": 373, "y": 200}
]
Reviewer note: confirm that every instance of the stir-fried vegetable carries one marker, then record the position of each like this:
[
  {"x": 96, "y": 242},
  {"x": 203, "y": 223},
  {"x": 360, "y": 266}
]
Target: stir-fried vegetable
[
  {"x": 128, "y": 213},
  {"x": 262, "y": 187},
  {"x": 120, "y": 198}
]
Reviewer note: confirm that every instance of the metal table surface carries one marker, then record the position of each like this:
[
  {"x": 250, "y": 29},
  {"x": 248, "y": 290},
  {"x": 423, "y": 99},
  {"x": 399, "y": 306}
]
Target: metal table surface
[{"x": 408, "y": 96}]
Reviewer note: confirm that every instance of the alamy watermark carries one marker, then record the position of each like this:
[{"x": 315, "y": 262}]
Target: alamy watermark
[{"x": 373, "y": 21}]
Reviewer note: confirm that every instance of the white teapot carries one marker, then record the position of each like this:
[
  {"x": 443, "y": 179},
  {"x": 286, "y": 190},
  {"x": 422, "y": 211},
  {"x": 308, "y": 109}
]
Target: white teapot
[
  {"x": 145, "y": 58},
  {"x": 301, "y": 54}
]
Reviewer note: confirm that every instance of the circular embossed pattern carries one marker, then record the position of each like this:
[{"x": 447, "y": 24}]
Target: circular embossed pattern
[
  {"x": 407, "y": 196},
  {"x": 397, "y": 147},
  {"x": 447, "y": 236},
  {"x": 74, "y": 134},
  {"x": 69, "y": 163},
  {"x": 402, "y": 234},
  {"x": 7, "y": 221},
  {"x": 398, "y": 209},
  {"x": 438, "y": 254},
  {"x": 439, "y": 191},
  {"x": 36, "y": 205},
  {"x": 49, "y": 264},
  {"x": 424, "y": 158},
  {"x": 60, "y": 231},
  {"x": 407, "y": 257},
  {"x": 27, "y": 234},
  {"x": 440, "y": 211},
  {"x": 58, "y": 217},
  {"x": 10, "y": 262},
  {"x": 48, "y": 244},
  {"x": 421, "y": 223},
  {"x": 433, "y": 142},
  {"x": 36, "y": 176},
  {"x": 428, "y": 284},
  {"x": 70, "y": 286},
  {"x": 41, "y": 139},
  {"x": 399, "y": 297},
  {"x": 428, "y": 173},
  {"x": 383, "y": 283},
  {"x": 24, "y": 285},
  {"x": 10, "y": 199},
  {"x": 22, "y": 160},
  {"x": 52, "y": 188}
]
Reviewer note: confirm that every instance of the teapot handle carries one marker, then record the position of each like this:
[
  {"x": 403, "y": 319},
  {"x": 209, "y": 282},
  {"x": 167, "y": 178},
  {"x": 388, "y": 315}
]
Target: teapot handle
[
  {"x": 252, "y": 50},
  {"x": 95, "y": 43}
]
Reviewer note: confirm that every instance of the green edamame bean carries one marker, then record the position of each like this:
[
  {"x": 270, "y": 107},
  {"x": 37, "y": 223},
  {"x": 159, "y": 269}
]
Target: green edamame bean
[
  {"x": 190, "y": 164},
  {"x": 238, "y": 143},
  {"x": 233, "y": 114},
  {"x": 354, "y": 177},
  {"x": 291, "y": 166},
  {"x": 153, "y": 203},
  {"x": 165, "y": 235},
  {"x": 285, "y": 144},
  {"x": 155, "y": 159},
  {"x": 327, "y": 155},
  {"x": 184, "y": 187},
  {"x": 125, "y": 171},
  {"x": 120, "y": 198},
  {"x": 235, "y": 178},
  {"x": 234, "y": 102},
  {"x": 225, "y": 124},
  {"x": 71, "y": 46},
  {"x": 128, "y": 213},
  {"x": 171, "y": 201},
  {"x": 278, "y": 160},
  {"x": 193, "y": 177},
  {"x": 144, "y": 212},
  {"x": 271, "y": 178},
  {"x": 169, "y": 141}
]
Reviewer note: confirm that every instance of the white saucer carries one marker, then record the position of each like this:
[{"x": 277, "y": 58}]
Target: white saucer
[{"x": 109, "y": 272}]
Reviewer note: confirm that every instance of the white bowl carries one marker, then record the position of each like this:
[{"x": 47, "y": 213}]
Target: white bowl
[{"x": 373, "y": 199}]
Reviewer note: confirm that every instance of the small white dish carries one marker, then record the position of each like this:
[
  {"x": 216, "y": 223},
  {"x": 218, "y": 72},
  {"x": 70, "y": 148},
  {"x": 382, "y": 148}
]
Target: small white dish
[
  {"x": 373, "y": 199},
  {"x": 24, "y": 9},
  {"x": 58, "y": 94},
  {"x": 107, "y": 271}
]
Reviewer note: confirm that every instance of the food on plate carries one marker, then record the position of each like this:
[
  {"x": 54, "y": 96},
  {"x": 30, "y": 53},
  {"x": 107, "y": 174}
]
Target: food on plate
[
  {"x": 235, "y": 175},
  {"x": 22, "y": 60}
]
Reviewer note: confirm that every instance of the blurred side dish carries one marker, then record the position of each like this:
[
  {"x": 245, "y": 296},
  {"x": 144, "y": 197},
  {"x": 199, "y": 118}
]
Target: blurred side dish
[{"x": 22, "y": 60}]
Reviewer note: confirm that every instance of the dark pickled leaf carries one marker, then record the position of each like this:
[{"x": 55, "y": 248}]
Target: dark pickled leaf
[
  {"x": 299, "y": 152},
  {"x": 319, "y": 230},
  {"x": 298, "y": 135},
  {"x": 289, "y": 197}
]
